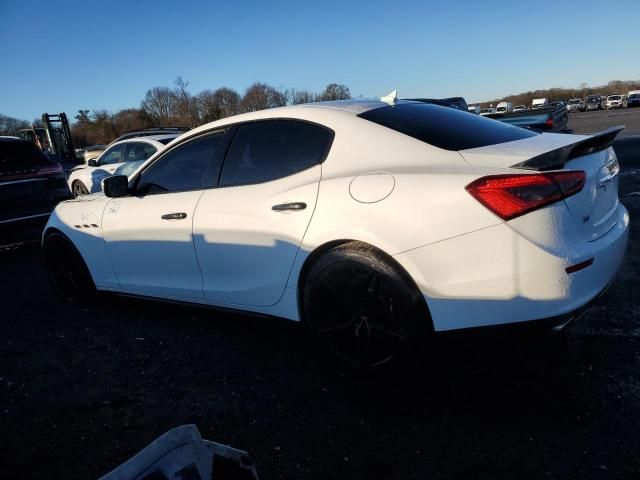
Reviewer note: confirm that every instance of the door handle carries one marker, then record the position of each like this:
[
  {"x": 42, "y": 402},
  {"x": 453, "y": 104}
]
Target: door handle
[
  {"x": 289, "y": 206},
  {"x": 174, "y": 216}
]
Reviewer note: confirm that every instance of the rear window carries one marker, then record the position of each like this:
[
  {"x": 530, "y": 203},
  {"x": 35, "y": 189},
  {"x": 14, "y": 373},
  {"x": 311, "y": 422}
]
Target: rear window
[
  {"x": 19, "y": 156},
  {"x": 443, "y": 127}
]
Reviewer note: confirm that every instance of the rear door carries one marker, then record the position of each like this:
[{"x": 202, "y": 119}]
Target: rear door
[{"x": 248, "y": 231}]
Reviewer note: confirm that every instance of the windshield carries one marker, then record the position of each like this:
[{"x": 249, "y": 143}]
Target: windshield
[
  {"x": 574, "y": 101},
  {"x": 444, "y": 127},
  {"x": 634, "y": 95},
  {"x": 614, "y": 97}
]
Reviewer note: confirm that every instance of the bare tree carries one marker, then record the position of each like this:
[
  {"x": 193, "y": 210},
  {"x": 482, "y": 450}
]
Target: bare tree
[
  {"x": 335, "y": 91},
  {"x": 83, "y": 116},
  {"x": 131, "y": 119},
  {"x": 11, "y": 125},
  {"x": 261, "y": 96},
  {"x": 296, "y": 97},
  {"x": 224, "y": 102},
  {"x": 160, "y": 104},
  {"x": 186, "y": 107}
]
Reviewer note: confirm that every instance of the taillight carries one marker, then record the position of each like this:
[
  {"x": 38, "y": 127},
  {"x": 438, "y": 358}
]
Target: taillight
[
  {"x": 549, "y": 123},
  {"x": 53, "y": 169},
  {"x": 510, "y": 196}
]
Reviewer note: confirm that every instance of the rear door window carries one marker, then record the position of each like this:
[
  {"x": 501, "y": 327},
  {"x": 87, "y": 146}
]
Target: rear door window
[
  {"x": 443, "y": 127},
  {"x": 136, "y": 151},
  {"x": 271, "y": 149}
]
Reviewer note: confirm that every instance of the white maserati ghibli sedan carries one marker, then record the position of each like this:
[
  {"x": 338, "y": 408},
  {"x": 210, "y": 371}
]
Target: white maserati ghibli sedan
[{"x": 376, "y": 223}]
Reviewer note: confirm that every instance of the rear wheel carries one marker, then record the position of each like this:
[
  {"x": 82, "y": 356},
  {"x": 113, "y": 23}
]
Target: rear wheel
[
  {"x": 66, "y": 269},
  {"x": 79, "y": 189},
  {"x": 363, "y": 306}
]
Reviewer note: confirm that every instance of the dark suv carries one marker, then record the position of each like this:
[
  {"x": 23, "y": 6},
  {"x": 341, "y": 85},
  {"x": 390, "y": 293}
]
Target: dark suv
[{"x": 31, "y": 185}]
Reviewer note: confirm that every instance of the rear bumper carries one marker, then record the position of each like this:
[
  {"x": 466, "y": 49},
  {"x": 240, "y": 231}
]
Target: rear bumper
[{"x": 498, "y": 276}]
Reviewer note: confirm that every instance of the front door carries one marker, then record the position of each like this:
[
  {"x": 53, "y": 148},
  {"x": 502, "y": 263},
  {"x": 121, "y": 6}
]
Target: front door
[{"x": 149, "y": 233}]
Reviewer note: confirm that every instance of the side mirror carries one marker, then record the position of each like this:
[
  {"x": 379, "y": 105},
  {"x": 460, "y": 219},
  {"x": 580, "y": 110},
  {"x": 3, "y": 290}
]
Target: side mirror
[
  {"x": 116, "y": 186},
  {"x": 92, "y": 163}
]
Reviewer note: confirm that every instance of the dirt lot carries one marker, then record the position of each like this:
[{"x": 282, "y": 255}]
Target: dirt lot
[
  {"x": 82, "y": 388},
  {"x": 589, "y": 122}
]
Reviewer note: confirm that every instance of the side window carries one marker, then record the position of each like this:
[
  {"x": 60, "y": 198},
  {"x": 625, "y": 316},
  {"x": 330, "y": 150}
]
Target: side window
[
  {"x": 191, "y": 166},
  {"x": 271, "y": 149},
  {"x": 112, "y": 155},
  {"x": 136, "y": 151}
]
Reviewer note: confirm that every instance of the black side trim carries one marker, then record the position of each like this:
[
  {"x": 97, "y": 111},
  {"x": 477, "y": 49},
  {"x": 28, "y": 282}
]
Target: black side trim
[{"x": 556, "y": 159}]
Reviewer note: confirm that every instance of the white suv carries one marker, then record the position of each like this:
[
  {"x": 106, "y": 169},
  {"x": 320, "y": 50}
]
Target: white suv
[
  {"x": 121, "y": 158},
  {"x": 614, "y": 101}
]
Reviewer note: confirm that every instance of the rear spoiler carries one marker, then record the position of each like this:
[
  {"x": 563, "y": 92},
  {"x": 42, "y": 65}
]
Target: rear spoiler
[{"x": 556, "y": 159}]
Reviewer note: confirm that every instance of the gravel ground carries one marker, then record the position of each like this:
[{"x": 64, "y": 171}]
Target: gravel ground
[
  {"x": 82, "y": 388},
  {"x": 590, "y": 122}
]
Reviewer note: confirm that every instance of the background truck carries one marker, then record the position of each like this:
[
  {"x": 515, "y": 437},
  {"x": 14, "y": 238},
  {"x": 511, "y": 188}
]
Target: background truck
[
  {"x": 544, "y": 119},
  {"x": 53, "y": 138},
  {"x": 539, "y": 103},
  {"x": 504, "y": 107}
]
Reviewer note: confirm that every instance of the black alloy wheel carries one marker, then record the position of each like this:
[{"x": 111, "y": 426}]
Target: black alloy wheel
[
  {"x": 363, "y": 306},
  {"x": 67, "y": 271}
]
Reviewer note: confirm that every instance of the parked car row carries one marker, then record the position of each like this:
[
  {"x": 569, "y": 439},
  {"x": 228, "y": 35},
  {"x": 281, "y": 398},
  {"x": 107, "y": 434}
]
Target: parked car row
[{"x": 587, "y": 104}]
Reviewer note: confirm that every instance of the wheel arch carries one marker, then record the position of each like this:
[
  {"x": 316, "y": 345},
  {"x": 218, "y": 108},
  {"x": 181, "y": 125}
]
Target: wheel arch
[
  {"x": 319, "y": 251},
  {"x": 79, "y": 180}
]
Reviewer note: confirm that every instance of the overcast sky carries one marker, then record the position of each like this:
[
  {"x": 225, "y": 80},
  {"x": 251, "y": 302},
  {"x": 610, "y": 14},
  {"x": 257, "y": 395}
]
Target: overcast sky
[{"x": 67, "y": 55}]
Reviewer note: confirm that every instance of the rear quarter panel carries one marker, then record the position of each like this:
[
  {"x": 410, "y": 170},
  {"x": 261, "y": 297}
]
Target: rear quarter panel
[{"x": 428, "y": 202}]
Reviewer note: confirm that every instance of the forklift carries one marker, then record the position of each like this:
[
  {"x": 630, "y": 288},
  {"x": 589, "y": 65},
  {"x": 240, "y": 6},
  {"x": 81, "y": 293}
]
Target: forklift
[{"x": 53, "y": 138}]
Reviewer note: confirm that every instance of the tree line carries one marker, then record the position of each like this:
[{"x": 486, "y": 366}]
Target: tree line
[
  {"x": 612, "y": 88},
  {"x": 177, "y": 107}
]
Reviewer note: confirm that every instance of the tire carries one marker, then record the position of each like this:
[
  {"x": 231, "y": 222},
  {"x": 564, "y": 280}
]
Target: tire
[
  {"x": 79, "y": 189},
  {"x": 364, "y": 307},
  {"x": 66, "y": 269}
]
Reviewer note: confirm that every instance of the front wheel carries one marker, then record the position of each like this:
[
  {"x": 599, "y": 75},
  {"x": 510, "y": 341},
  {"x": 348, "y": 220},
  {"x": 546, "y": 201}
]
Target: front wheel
[
  {"x": 66, "y": 269},
  {"x": 363, "y": 306}
]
